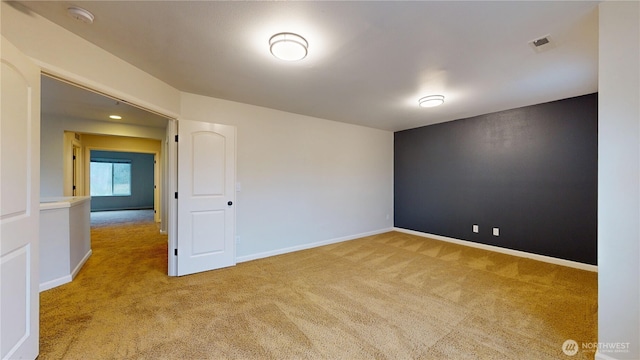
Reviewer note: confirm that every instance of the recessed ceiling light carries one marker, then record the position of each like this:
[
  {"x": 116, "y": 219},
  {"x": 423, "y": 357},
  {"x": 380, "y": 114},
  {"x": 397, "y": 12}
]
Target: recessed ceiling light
[
  {"x": 431, "y": 101},
  {"x": 288, "y": 46},
  {"x": 115, "y": 117},
  {"x": 80, "y": 14}
]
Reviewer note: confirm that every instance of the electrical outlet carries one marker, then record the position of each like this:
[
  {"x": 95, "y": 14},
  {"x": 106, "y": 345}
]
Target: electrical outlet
[
  {"x": 496, "y": 232},
  {"x": 476, "y": 229}
]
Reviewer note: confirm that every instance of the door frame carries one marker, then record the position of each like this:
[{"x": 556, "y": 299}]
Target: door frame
[
  {"x": 73, "y": 166},
  {"x": 157, "y": 181},
  {"x": 171, "y": 184},
  {"x": 169, "y": 171}
]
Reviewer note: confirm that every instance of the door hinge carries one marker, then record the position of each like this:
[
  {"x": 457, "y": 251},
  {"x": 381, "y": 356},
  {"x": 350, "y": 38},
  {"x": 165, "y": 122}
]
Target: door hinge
[
  {"x": 175, "y": 252},
  {"x": 176, "y": 138},
  {"x": 176, "y": 195}
]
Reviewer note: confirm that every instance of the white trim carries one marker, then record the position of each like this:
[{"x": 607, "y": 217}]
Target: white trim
[
  {"x": 601, "y": 356},
  {"x": 67, "y": 278},
  {"x": 308, "y": 246},
  {"x": 55, "y": 283},
  {"x": 80, "y": 264},
  {"x": 84, "y": 83},
  {"x": 543, "y": 258},
  {"x": 171, "y": 185}
]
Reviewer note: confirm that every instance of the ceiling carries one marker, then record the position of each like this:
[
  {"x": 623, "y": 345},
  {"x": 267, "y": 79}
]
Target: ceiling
[
  {"x": 368, "y": 62},
  {"x": 63, "y": 100}
]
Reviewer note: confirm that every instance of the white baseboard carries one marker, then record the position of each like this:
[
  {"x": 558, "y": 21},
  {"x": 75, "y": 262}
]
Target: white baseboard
[
  {"x": 308, "y": 246},
  {"x": 547, "y": 259},
  {"x": 67, "y": 278},
  {"x": 81, "y": 263},
  {"x": 55, "y": 283}
]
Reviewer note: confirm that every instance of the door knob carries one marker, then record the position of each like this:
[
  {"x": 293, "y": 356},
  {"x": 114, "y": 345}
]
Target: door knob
[{"x": 230, "y": 203}]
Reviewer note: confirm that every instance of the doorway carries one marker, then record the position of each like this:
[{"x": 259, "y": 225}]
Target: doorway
[
  {"x": 72, "y": 108},
  {"x": 86, "y": 120},
  {"x": 77, "y": 171},
  {"x": 122, "y": 180},
  {"x": 75, "y": 121}
]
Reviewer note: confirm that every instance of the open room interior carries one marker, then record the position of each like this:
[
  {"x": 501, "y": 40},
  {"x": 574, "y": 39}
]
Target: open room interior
[{"x": 344, "y": 216}]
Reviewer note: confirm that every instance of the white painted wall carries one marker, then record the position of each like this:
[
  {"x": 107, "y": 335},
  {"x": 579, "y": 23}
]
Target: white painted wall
[
  {"x": 65, "y": 239},
  {"x": 619, "y": 179},
  {"x": 62, "y": 53},
  {"x": 304, "y": 180},
  {"x": 51, "y": 145}
]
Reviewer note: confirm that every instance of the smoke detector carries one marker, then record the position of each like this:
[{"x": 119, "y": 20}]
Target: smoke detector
[
  {"x": 542, "y": 44},
  {"x": 80, "y": 14}
]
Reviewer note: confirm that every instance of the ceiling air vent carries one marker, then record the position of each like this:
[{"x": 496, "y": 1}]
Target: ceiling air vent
[{"x": 542, "y": 44}]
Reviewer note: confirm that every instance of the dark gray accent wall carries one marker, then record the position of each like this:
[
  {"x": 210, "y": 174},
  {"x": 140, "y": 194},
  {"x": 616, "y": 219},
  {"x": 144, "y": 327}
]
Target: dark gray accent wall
[
  {"x": 531, "y": 172},
  {"x": 142, "y": 183}
]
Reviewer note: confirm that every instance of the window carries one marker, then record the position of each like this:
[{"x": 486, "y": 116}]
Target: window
[{"x": 110, "y": 177}]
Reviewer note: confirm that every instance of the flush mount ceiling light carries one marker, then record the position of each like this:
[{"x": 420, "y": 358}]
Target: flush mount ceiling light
[
  {"x": 115, "y": 117},
  {"x": 80, "y": 14},
  {"x": 431, "y": 101},
  {"x": 288, "y": 46}
]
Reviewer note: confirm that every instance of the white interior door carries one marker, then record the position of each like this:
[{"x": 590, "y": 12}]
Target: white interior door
[
  {"x": 206, "y": 196},
  {"x": 19, "y": 203}
]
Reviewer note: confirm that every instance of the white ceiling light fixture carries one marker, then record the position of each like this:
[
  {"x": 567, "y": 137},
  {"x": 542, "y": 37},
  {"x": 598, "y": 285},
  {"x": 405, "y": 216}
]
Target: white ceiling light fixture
[
  {"x": 431, "y": 101},
  {"x": 115, "y": 117},
  {"x": 288, "y": 46},
  {"x": 80, "y": 14}
]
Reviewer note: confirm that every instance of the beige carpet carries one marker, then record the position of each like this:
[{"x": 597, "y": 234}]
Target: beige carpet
[
  {"x": 120, "y": 217},
  {"x": 390, "y": 296}
]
